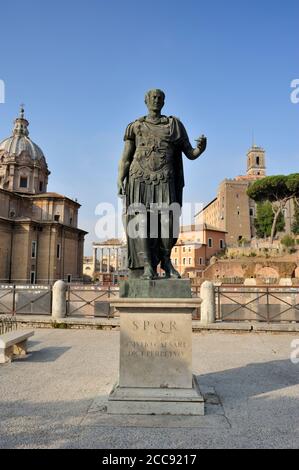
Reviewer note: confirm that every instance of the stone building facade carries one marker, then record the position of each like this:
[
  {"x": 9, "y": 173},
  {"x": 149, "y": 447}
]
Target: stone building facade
[
  {"x": 196, "y": 245},
  {"x": 191, "y": 255},
  {"x": 40, "y": 241},
  {"x": 232, "y": 210}
]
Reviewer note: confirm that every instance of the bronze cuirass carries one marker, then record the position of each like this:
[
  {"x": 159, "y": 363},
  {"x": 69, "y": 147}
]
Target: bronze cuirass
[{"x": 153, "y": 158}]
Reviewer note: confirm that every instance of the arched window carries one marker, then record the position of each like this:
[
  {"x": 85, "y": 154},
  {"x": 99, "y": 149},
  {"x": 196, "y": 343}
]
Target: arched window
[{"x": 258, "y": 160}]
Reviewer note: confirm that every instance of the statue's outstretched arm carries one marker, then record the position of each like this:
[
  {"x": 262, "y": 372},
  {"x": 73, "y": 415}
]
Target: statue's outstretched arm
[
  {"x": 124, "y": 165},
  {"x": 194, "y": 153}
]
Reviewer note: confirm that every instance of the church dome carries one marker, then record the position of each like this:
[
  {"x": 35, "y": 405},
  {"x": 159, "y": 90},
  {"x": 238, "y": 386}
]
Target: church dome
[
  {"x": 19, "y": 142},
  {"x": 23, "y": 167}
]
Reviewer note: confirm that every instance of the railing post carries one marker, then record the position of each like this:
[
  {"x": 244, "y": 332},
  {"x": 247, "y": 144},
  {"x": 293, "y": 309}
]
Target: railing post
[
  {"x": 219, "y": 303},
  {"x": 59, "y": 300},
  {"x": 14, "y": 299},
  {"x": 208, "y": 304},
  {"x": 68, "y": 300},
  {"x": 268, "y": 306}
]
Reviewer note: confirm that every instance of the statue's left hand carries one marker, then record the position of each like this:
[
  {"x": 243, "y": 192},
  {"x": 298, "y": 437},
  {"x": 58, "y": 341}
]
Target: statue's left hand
[
  {"x": 121, "y": 188},
  {"x": 202, "y": 143}
]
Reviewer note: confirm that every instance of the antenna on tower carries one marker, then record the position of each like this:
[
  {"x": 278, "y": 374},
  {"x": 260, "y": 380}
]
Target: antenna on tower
[{"x": 253, "y": 139}]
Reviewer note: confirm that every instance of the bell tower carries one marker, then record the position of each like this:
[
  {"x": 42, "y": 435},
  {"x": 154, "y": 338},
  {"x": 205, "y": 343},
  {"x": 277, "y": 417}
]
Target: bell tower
[{"x": 256, "y": 162}]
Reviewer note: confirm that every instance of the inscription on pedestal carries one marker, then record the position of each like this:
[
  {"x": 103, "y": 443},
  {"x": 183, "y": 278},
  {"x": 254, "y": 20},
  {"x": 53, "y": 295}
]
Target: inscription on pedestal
[{"x": 156, "y": 350}]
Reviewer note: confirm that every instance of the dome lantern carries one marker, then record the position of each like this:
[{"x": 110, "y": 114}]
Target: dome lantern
[{"x": 21, "y": 124}]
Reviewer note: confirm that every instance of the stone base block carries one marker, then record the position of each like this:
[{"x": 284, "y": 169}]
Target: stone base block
[
  {"x": 156, "y": 401},
  {"x": 158, "y": 289}
]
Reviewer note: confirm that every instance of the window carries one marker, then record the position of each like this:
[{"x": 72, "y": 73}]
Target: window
[
  {"x": 184, "y": 261},
  {"x": 251, "y": 212},
  {"x": 184, "y": 249},
  {"x": 175, "y": 250},
  {"x": 56, "y": 217},
  {"x": 257, "y": 160},
  {"x": 23, "y": 182},
  {"x": 200, "y": 261},
  {"x": 190, "y": 261},
  {"x": 32, "y": 277},
  {"x": 40, "y": 186},
  {"x": 210, "y": 243},
  {"x": 221, "y": 244},
  {"x": 69, "y": 278},
  {"x": 176, "y": 261},
  {"x": 189, "y": 249},
  {"x": 58, "y": 250},
  {"x": 71, "y": 220},
  {"x": 33, "y": 249}
]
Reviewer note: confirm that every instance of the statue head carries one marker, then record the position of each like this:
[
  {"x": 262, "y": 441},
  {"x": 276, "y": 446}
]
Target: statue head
[{"x": 154, "y": 100}]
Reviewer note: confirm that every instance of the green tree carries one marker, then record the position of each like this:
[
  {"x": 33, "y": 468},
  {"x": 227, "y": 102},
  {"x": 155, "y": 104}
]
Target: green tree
[
  {"x": 264, "y": 220},
  {"x": 295, "y": 226},
  {"x": 278, "y": 190},
  {"x": 288, "y": 242}
]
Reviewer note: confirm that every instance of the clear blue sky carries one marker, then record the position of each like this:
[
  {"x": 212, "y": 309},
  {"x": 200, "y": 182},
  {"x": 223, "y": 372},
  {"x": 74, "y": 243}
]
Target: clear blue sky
[{"x": 82, "y": 68}]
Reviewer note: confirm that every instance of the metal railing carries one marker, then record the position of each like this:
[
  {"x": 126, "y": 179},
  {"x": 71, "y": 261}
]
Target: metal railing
[
  {"x": 8, "y": 324},
  {"x": 25, "y": 299},
  {"x": 87, "y": 300},
  {"x": 260, "y": 303}
]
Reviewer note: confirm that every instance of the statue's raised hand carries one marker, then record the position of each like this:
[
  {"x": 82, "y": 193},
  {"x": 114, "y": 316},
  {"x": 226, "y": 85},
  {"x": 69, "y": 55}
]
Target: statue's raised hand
[{"x": 201, "y": 143}]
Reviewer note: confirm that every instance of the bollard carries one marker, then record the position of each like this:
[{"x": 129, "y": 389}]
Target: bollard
[
  {"x": 208, "y": 305},
  {"x": 59, "y": 300}
]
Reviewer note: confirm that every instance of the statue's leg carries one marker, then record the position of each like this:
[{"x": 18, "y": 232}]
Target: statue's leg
[
  {"x": 167, "y": 241},
  {"x": 135, "y": 261},
  {"x": 146, "y": 248}
]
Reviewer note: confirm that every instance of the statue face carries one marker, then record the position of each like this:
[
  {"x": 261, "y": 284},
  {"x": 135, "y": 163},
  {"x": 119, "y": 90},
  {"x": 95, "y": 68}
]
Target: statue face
[{"x": 155, "y": 101}]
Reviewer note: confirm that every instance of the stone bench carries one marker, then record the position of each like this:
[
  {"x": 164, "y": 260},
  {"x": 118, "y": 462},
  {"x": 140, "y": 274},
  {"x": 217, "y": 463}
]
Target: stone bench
[{"x": 13, "y": 343}]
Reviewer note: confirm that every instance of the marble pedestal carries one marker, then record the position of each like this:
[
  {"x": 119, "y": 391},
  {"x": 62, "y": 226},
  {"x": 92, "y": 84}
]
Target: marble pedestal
[{"x": 155, "y": 371}]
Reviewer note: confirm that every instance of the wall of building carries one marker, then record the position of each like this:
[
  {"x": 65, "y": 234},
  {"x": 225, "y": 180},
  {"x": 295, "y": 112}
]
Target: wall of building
[
  {"x": 71, "y": 247},
  {"x": 232, "y": 269},
  {"x": 21, "y": 247},
  {"x": 5, "y": 249},
  {"x": 236, "y": 215},
  {"x": 211, "y": 215},
  {"x": 192, "y": 252},
  {"x": 46, "y": 209}
]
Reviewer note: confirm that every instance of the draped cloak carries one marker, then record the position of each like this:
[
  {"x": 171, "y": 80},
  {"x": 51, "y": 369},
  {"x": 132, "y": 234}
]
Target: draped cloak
[{"x": 156, "y": 171}]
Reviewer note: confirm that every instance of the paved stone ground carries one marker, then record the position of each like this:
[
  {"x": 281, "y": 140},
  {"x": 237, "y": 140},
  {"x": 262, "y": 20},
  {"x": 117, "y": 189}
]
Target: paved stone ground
[{"x": 55, "y": 397}]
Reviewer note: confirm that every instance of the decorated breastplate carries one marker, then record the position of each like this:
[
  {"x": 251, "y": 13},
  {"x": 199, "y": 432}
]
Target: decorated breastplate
[{"x": 153, "y": 158}]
